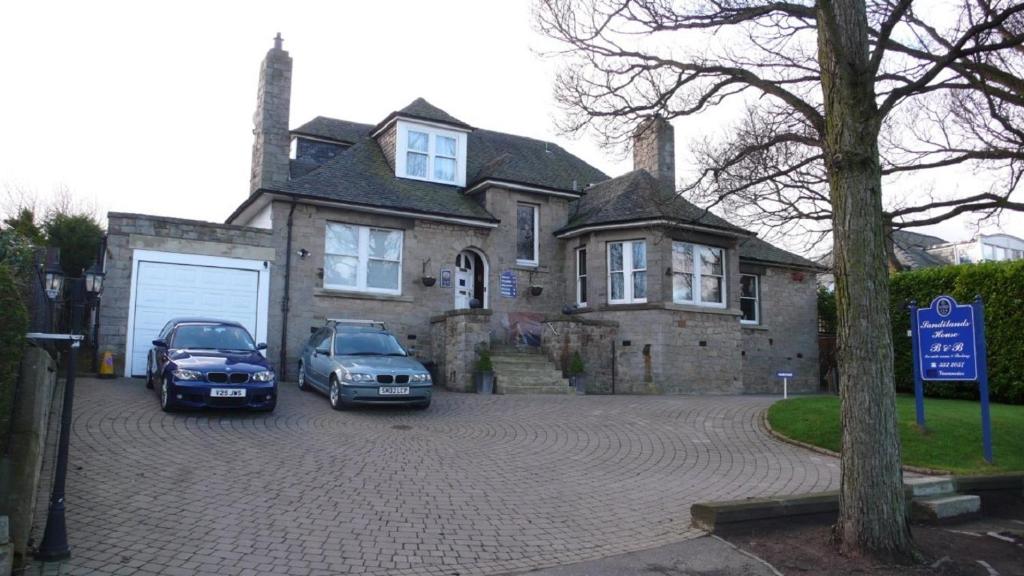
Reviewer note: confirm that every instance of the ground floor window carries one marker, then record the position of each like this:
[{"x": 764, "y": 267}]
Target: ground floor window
[
  {"x": 750, "y": 298},
  {"x": 698, "y": 274},
  {"x": 627, "y": 272},
  {"x": 581, "y": 277},
  {"x": 363, "y": 258}
]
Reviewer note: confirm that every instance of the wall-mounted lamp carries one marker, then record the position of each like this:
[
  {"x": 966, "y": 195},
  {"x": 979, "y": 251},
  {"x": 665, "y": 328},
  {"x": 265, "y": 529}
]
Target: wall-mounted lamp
[{"x": 303, "y": 252}]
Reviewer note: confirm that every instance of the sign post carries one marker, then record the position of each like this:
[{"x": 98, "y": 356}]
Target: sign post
[
  {"x": 785, "y": 382},
  {"x": 948, "y": 343}
]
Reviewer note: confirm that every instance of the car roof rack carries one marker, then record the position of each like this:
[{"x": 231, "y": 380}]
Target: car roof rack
[{"x": 356, "y": 322}]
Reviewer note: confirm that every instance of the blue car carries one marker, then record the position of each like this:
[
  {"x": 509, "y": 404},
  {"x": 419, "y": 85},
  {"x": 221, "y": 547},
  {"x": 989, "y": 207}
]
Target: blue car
[{"x": 204, "y": 363}]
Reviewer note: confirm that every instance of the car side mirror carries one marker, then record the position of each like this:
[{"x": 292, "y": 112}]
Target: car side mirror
[
  {"x": 160, "y": 343},
  {"x": 324, "y": 350},
  {"x": 261, "y": 346}
]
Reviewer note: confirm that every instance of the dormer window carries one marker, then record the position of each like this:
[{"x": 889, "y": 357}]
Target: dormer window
[{"x": 426, "y": 152}]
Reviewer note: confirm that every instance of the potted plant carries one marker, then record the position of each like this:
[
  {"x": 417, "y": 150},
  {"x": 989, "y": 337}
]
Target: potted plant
[
  {"x": 577, "y": 379},
  {"x": 427, "y": 279},
  {"x": 535, "y": 290},
  {"x": 484, "y": 373}
]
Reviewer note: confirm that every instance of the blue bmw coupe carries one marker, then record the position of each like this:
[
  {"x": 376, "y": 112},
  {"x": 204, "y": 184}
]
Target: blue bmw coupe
[{"x": 204, "y": 363}]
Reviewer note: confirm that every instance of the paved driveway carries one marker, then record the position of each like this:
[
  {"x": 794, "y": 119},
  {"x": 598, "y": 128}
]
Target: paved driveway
[{"x": 475, "y": 485}]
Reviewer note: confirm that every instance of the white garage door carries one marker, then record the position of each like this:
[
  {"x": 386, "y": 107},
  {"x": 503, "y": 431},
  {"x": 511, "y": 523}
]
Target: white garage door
[{"x": 165, "y": 290}]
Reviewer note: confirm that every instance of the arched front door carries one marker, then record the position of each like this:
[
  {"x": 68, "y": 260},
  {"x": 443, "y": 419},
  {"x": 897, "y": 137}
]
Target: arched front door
[{"x": 470, "y": 279}]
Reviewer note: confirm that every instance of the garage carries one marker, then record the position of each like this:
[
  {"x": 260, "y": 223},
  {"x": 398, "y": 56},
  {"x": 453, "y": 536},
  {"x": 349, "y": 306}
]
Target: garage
[{"x": 166, "y": 285}]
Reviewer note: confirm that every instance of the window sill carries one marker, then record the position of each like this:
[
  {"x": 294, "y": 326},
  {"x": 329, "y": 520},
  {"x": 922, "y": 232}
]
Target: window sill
[
  {"x": 755, "y": 327},
  {"x": 525, "y": 264},
  {"x": 351, "y": 294},
  {"x": 701, "y": 309}
]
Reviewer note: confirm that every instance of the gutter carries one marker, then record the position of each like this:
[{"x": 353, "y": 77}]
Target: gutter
[{"x": 283, "y": 368}]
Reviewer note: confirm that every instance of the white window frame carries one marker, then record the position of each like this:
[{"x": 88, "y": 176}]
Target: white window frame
[
  {"x": 581, "y": 294},
  {"x": 363, "y": 255},
  {"x": 696, "y": 285},
  {"x": 402, "y": 144},
  {"x": 536, "y": 234},
  {"x": 627, "y": 271},
  {"x": 756, "y": 299}
]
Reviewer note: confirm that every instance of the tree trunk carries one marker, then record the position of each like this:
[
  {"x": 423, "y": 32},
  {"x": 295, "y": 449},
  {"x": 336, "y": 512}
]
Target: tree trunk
[{"x": 872, "y": 511}]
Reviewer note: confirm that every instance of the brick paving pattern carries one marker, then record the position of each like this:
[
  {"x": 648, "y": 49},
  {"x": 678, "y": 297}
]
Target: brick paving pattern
[{"x": 474, "y": 485}]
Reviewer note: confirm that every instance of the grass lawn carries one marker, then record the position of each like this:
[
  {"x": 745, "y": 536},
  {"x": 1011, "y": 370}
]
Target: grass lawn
[{"x": 952, "y": 442}]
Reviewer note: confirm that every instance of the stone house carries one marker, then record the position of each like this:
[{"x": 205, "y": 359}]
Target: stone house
[{"x": 459, "y": 238}]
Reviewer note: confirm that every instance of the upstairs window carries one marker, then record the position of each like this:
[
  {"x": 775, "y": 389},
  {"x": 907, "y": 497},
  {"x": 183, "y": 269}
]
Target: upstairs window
[
  {"x": 429, "y": 153},
  {"x": 627, "y": 272},
  {"x": 526, "y": 235},
  {"x": 750, "y": 299},
  {"x": 363, "y": 259},
  {"x": 698, "y": 275}
]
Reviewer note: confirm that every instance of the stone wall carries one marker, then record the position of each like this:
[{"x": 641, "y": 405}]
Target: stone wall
[
  {"x": 129, "y": 232},
  {"x": 593, "y": 339},
  {"x": 459, "y": 335},
  {"x": 787, "y": 337}
]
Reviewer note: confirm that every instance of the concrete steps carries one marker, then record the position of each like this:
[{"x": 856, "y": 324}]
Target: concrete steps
[
  {"x": 935, "y": 499},
  {"x": 526, "y": 372}
]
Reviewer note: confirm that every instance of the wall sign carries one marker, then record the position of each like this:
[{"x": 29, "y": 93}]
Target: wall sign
[
  {"x": 508, "y": 283},
  {"x": 446, "y": 277}
]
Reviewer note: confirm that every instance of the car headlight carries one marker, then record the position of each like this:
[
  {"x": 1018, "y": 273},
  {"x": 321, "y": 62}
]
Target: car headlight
[
  {"x": 188, "y": 375},
  {"x": 357, "y": 377},
  {"x": 264, "y": 376},
  {"x": 419, "y": 378}
]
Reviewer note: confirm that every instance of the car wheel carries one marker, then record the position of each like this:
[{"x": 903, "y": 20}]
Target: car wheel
[
  {"x": 303, "y": 385},
  {"x": 337, "y": 402},
  {"x": 166, "y": 402},
  {"x": 421, "y": 405}
]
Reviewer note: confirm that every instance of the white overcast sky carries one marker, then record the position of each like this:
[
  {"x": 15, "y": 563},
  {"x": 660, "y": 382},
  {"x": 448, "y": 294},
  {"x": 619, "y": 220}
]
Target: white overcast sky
[{"x": 147, "y": 106}]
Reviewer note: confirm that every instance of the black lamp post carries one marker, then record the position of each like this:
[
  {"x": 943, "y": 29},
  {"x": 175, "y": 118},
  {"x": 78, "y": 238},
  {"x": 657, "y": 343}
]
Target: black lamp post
[{"x": 55, "y": 538}]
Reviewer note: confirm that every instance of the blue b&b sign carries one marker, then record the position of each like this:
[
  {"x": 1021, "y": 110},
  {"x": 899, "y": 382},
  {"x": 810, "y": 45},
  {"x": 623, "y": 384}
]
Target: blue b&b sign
[{"x": 947, "y": 341}]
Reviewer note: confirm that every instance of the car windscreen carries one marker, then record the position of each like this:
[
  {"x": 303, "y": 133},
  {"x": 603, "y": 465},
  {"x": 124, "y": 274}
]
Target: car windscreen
[
  {"x": 367, "y": 344},
  {"x": 212, "y": 337}
]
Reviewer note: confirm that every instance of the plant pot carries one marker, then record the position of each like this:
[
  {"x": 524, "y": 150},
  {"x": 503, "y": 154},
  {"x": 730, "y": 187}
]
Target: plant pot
[
  {"x": 428, "y": 281},
  {"x": 579, "y": 382},
  {"x": 536, "y": 290},
  {"x": 484, "y": 382}
]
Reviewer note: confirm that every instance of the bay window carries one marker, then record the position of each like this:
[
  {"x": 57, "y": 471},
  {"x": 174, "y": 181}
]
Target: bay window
[
  {"x": 698, "y": 275},
  {"x": 363, "y": 258},
  {"x": 627, "y": 272},
  {"x": 581, "y": 277},
  {"x": 750, "y": 299}
]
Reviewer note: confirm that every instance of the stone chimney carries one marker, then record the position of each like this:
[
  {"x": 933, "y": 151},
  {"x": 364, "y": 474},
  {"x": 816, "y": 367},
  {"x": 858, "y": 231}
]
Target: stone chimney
[
  {"x": 272, "y": 143},
  {"x": 654, "y": 150}
]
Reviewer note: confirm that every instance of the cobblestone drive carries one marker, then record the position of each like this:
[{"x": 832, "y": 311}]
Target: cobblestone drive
[{"x": 474, "y": 485}]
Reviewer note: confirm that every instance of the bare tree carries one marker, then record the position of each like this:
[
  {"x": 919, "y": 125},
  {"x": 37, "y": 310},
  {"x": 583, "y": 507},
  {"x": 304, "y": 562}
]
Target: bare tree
[{"x": 837, "y": 94}]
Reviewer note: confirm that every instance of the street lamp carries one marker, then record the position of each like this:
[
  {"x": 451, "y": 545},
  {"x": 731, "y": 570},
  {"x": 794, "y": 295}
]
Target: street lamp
[
  {"x": 55, "y": 538},
  {"x": 53, "y": 280}
]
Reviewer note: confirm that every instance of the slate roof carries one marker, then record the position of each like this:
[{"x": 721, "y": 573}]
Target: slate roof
[
  {"x": 499, "y": 156},
  {"x": 910, "y": 249},
  {"x": 362, "y": 175},
  {"x": 420, "y": 109},
  {"x": 332, "y": 129},
  {"x": 758, "y": 250},
  {"x": 637, "y": 196}
]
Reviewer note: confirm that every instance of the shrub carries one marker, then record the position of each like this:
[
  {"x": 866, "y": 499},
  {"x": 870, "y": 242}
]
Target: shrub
[
  {"x": 576, "y": 364},
  {"x": 483, "y": 362},
  {"x": 1001, "y": 287},
  {"x": 78, "y": 236},
  {"x": 13, "y": 324}
]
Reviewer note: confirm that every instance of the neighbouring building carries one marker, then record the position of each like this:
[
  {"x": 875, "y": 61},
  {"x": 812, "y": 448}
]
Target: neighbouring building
[{"x": 459, "y": 237}]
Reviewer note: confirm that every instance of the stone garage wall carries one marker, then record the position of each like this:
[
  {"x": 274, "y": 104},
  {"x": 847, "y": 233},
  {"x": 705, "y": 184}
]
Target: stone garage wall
[
  {"x": 128, "y": 232},
  {"x": 565, "y": 335},
  {"x": 457, "y": 337}
]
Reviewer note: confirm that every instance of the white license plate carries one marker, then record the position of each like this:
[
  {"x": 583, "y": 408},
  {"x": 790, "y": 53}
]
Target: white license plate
[
  {"x": 227, "y": 392},
  {"x": 393, "y": 390}
]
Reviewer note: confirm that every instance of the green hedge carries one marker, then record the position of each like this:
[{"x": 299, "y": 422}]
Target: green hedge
[
  {"x": 13, "y": 324},
  {"x": 1001, "y": 287}
]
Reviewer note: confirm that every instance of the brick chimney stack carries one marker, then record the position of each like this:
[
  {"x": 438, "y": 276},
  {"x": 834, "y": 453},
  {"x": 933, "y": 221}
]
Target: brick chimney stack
[
  {"x": 272, "y": 143},
  {"x": 654, "y": 150}
]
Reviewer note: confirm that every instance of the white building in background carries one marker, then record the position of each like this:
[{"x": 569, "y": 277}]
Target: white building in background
[{"x": 982, "y": 248}]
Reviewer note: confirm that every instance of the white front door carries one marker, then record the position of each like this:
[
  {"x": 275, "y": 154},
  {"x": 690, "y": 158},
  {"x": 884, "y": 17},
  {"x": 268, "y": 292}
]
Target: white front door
[{"x": 464, "y": 280}]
